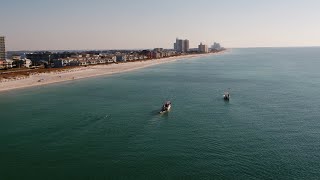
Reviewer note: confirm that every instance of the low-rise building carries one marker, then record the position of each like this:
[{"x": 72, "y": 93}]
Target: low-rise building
[
  {"x": 156, "y": 55},
  {"x": 3, "y": 64},
  {"x": 16, "y": 58},
  {"x": 9, "y": 63},
  {"x": 101, "y": 61},
  {"x": 141, "y": 57},
  {"x": 74, "y": 63},
  {"x": 121, "y": 58},
  {"x": 83, "y": 62},
  {"x": 130, "y": 57},
  {"x": 27, "y": 63},
  {"x": 92, "y": 61},
  {"x": 111, "y": 59}
]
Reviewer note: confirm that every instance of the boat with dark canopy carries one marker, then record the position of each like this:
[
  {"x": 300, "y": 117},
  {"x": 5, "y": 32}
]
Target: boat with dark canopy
[
  {"x": 226, "y": 96},
  {"x": 166, "y": 107}
]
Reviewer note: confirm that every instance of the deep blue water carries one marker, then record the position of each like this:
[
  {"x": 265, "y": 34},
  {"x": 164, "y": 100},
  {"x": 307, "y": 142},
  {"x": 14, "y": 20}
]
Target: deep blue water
[{"x": 109, "y": 127}]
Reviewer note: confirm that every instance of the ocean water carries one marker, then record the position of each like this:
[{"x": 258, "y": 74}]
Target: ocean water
[{"x": 109, "y": 127}]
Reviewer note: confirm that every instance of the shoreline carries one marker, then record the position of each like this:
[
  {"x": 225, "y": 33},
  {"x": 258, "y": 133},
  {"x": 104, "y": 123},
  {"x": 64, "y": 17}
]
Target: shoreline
[{"x": 90, "y": 71}]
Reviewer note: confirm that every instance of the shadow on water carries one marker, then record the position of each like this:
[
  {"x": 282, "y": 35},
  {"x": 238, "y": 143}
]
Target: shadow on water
[
  {"x": 157, "y": 117},
  {"x": 226, "y": 101},
  {"x": 155, "y": 112},
  {"x": 165, "y": 115}
]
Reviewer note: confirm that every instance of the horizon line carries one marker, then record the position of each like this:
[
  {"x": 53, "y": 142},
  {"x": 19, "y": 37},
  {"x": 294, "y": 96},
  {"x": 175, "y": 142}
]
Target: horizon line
[{"x": 123, "y": 49}]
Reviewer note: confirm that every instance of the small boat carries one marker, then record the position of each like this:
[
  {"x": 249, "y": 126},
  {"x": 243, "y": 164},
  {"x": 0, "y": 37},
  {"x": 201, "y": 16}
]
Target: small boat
[
  {"x": 226, "y": 96},
  {"x": 166, "y": 107}
]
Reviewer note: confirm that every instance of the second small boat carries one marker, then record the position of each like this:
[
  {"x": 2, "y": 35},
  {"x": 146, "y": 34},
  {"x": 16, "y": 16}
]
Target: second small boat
[
  {"x": 226, "y": 96},
  {"x": 166, "y": 107}
]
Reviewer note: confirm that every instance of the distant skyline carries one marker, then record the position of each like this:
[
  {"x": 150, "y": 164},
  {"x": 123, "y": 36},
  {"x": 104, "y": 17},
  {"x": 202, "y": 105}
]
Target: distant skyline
[{"x": 139, "y": 24}]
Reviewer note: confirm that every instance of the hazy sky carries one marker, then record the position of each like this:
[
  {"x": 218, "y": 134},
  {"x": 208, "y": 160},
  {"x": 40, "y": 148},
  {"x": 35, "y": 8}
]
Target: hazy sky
[{"x": 136, "y": 24}]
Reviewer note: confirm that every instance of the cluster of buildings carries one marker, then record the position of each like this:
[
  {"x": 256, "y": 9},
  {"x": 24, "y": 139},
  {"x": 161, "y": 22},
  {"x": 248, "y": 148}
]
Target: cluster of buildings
[
  {"x": 182, "y": 46},
  {"x": 61, "y": 59},
  {"x": 203, "y": 48},
  {"x": 216, "y": 47},
  {"x": 83, "y": 58},
  {"x": 6, "y": 63}
]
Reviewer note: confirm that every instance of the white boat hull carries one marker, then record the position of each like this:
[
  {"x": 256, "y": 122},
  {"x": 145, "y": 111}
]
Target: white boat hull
[{"x": 165, "y": 110}]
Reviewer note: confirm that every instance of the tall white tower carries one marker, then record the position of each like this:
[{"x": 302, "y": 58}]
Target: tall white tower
[{"x": 2, "y": 48}]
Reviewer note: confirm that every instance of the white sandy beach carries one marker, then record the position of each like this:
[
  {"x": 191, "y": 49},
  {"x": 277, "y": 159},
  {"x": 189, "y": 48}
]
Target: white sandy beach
[{"x": 86, "y": 72}]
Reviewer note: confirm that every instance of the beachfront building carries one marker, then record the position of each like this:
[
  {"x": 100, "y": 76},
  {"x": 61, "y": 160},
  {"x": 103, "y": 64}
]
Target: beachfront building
[
  {"x": 9, "y": 63},
  {"x": 92, "y": 61},
  {"x": 216, "y": 46},
  {"x": 147, "y": 54},
  {"x": 2, "y": 48},
  {"x": 39, "y": 58},
  {"x": 6, "y": 64},
  {"x": 181, "y": 46},
  {"x": 130, "y": 57},
  {"x": 110, "y": 59},
  {"x": 26, "y": 62},
  {"x": 156, "y": 55},
  {"x": 121, "y": 58},
  {"x": 186, "y": 45},
  {"x": 3, "y": 64},
  {"x": 202, "y": 48},
  {"x": 168, "y": 53}
]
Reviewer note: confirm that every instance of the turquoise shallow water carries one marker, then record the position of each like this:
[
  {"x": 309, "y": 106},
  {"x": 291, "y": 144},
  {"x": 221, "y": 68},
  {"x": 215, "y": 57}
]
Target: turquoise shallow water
[{"x": 108, "y": 127}]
